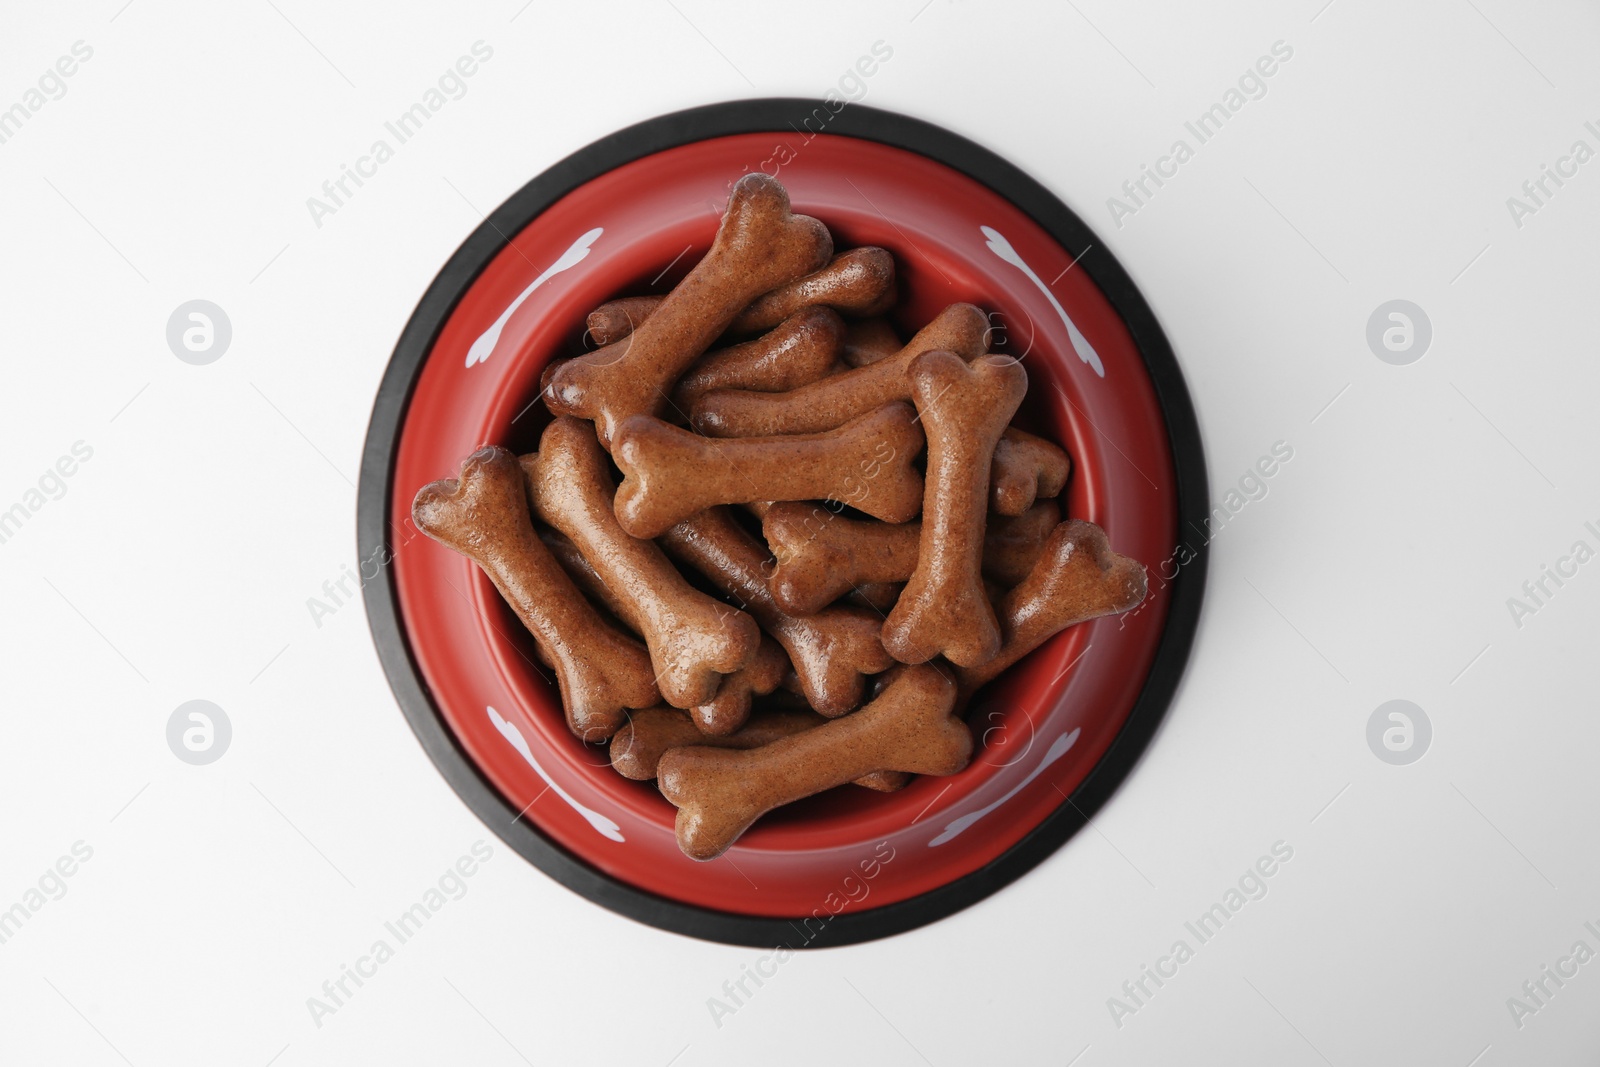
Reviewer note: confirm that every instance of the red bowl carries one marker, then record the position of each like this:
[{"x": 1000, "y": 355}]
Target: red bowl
[{"x": 630, "y": 215}]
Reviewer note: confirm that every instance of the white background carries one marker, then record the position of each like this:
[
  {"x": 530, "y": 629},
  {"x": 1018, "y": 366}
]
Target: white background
[{"x": 178, "y": 563}]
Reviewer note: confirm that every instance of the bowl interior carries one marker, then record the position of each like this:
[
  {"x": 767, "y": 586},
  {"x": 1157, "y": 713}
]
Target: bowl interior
[{"x": 1041, "y": 728}]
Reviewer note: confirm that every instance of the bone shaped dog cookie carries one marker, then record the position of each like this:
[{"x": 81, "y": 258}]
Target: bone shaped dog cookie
[
  {"x": 831, "y": 651},
  {"x": 823, "y": 555},
  {"x": 637, "y": 748},
  {"x": 838, "y": 398},
  {"x": 719, "y": 793},
  {"x": 1078, "y": 578},
  {"x": 669, "y": 474},
  {"x": 857, "y": 282},
  {"x": 1012, "y": 544},
  {"x": 578, "y": 569},
  {"x": 616, "y": 319},
  {"x": 483, "y": 514},
  {"x": 868, "y": 341},
  {"x": 759, "y": 246},
  {"x": 964, "y": 408},
  {"x": 1025, "y": 468},
  {"x": 693, "y": 639},
  {"x": 566, "y": 553},
  {"x": 879, "y": 596},
  {"x": 729, "y": 707},
  {"x": 800, "y": 349}
]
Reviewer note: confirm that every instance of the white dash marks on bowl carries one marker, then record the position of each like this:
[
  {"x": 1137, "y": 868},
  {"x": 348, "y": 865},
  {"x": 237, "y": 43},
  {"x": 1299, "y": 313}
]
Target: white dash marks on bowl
[
  {"x": 604, "y": 826},
  {"x": 1058, "y": 748},
  {"x": 484, "y": 346},
  {"x": 1001, "y": 247}
]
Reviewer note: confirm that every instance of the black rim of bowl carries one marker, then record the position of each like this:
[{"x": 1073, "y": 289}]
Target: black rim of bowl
[{"x": 790, "y": 117}]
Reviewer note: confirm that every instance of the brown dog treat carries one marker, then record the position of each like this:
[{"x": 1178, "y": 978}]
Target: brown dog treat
[
  {"x": 729, "y": 707},
  {"x": 616, "y": 319},
  {"x": 483, "y": 514},
  {"x": 719, "y": 793},
  {"x": 1025, "y": 468},
  {"x": 885, "y": 781},
  {"x": 800, "y": 349},
  {"x": 831, "y": 651},
  {"x": 823, "y": 555},
  {"x": 878, "y": 596},
  {"x": 1078, "y": 578},
  {"x": 694, "y": 640},
  {"x": 1012, "y": 544},
  {"x": 637, "y": 748},
  {"x": 964, "y": 409},
  {"x": 868, "y": 341},
  {"x": 790, "y": 697},
  {"x": 879, "y": 682},
  {"x": 835, "y": 400},
  {"x": 604, "y": 356},
  {"x": 578, "y": 569},
  {"x": 759, "y": 246},
  {"x": 857, "y": 282},
  {"x": 669, "y": 474}
]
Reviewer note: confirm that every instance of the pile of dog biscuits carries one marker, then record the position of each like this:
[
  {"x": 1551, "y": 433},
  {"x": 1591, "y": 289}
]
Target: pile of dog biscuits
[{"x": 822, "y": 542}]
